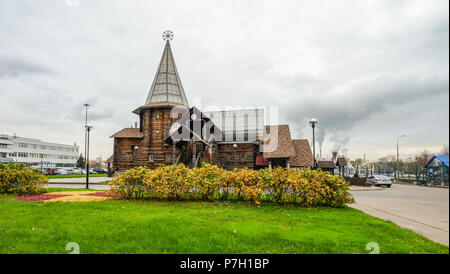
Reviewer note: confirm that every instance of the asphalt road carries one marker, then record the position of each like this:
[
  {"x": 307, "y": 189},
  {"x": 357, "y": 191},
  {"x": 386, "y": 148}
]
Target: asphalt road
[{"x": 424, "y": 210}]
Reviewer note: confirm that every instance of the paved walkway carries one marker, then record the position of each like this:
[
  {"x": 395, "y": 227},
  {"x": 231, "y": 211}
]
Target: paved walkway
[
  {"x": 80, "y": 180},
  {"x": 94, "y": 182},
  {"x": 424, "y": 210}
]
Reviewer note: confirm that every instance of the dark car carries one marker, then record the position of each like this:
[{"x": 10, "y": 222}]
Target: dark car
[{"x": 100, "y": 170}]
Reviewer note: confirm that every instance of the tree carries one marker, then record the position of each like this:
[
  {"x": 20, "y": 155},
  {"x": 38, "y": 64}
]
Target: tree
[
  {"x": 422, "y": 160},
  {"x": 357, "y": 162},
  {"x": 94, "y": 164},
  {"x": 81, "y": 162},
  {"x": 444, "y": 150}
]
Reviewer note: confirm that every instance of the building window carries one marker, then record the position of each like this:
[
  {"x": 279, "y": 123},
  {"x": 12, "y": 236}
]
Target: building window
[
  {"x": 22, "y": 145},
  {"x": 150, "y": 158},
  {"x": 243, "y": 156},
  {"x": 3, "y": 146},
  {"x": 23, "y": 154}
]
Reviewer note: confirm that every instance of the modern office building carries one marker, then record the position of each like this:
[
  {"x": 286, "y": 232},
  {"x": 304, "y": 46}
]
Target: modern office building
[{"x": 36, "y": 152}]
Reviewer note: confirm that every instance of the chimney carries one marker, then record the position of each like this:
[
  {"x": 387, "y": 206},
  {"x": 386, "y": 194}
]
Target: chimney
[
  {"x": 334, "y": 156},
  {"x": 135, "y": 124}
]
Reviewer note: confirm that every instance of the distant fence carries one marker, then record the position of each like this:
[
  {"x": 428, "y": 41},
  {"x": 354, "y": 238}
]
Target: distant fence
[{"x": 407, "y": 173}]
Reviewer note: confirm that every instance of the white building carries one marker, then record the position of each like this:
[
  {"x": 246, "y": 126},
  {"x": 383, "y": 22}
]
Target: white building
[{"x": 35, "y": 152}]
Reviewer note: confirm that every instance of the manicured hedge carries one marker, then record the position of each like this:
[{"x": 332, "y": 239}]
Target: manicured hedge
[
  {"x": 210, "y": 183},
  {"x": 15, "y": 178}
]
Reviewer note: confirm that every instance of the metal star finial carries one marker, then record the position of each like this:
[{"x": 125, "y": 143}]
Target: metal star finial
[{"x": 167, "y": 35}]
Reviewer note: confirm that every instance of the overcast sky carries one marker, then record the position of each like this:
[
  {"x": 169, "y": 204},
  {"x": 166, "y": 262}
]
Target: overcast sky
[{"x": 367, "y": 70}]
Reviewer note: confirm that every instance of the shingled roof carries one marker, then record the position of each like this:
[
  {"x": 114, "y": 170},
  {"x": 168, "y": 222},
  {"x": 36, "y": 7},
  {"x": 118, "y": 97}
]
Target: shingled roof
[
  {"x": 326, "y": 164},
  {"x": 128, "y": 133},
  {"x": 166, "y": 86},
  {"x": 278, "y": 142},
  {"x": 110, "y": 159},
  {"x": 303, "y": 156},
  {"x": 341, "y": 161}
]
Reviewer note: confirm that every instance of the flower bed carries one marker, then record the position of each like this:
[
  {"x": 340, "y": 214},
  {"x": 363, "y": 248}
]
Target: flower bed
[
  {"x": 211, "y": 183},
  {"x": 68, "y": 196},
  {"x": 39, "y": 198}
]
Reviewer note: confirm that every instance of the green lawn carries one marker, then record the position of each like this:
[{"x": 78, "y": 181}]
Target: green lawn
[
  {"x": 118, "y": 226},
  {"x": 74, "y": 176}
]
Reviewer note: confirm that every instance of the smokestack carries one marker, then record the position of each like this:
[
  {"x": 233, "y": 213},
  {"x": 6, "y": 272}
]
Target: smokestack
[{"x": 334, "y": 156}]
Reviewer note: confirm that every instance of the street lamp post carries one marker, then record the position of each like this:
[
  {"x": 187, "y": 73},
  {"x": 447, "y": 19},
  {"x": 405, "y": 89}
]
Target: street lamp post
[
  {"x": 85, "y": 132},
  {"x": 313, "y": 123},
  {"x": 88, "y": 129},
  {"x": 398, "y": 158}
]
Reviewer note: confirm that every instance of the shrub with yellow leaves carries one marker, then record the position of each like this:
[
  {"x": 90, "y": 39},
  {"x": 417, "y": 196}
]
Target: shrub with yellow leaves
[
  {"x": 15, "y": 178},
  {"x": 305, "y": 187}
]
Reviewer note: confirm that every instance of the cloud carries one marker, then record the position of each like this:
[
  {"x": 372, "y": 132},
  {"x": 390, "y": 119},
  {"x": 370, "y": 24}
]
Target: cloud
[
  {"x": 353, "y": 65},
  {"x": 14, "y": 67}
]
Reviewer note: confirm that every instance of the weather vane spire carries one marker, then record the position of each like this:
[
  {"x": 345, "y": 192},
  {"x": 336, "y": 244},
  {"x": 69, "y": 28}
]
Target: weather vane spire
[{"x": 167, "y": 35}]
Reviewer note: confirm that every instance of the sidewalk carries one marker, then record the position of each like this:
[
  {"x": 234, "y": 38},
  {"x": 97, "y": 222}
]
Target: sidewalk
[
  {"x": 424, "y": 210},
  {"x": 80, "y": 180}
]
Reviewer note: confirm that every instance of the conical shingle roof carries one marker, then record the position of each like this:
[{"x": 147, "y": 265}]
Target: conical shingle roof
[{"x": 167, "y": 87}]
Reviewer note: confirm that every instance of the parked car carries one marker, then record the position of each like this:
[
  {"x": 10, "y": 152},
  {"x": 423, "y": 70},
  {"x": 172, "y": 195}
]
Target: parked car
[
  {"x": 61, "y": 171},
  {"x": 379, "y": 180},
  {"x": 50, "y": 171},
  {"x": 77, "y": 171},
  {"x": 70, "y": 171},
  {"x": 100, "y": 170}
]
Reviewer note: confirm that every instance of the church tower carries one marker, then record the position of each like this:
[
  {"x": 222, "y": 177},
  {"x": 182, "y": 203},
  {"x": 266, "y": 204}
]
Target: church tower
[{"x": 165, "y": 103}]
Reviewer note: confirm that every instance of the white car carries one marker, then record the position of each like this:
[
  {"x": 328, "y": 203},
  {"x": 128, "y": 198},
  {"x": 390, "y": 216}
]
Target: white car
[
  {"x": 77, "y": 171},
  {"x": 380, "y": 180},
  {"x": 61, "y": 171}
]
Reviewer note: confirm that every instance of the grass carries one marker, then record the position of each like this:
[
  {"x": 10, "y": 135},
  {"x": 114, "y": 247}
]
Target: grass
[
  {"x": 74, "y": 176},
  {"x": 122, "y": 226}
]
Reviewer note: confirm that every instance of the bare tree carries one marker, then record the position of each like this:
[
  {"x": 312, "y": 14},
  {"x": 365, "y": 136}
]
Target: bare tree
[{"x": 444, "y": 150}]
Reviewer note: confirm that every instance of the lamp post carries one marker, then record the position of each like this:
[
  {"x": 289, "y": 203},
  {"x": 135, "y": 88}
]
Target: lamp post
[
  {"x": 313, "y": 123},
  {"x": 85, "y": 132},
  {"x": 88, "y": 129},
  {"x": 398, "y": 158}
]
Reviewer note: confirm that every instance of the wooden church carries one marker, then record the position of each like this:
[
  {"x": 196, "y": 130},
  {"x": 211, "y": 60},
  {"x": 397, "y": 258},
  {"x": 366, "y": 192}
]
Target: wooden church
[{"x": 172, "y": 132}]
